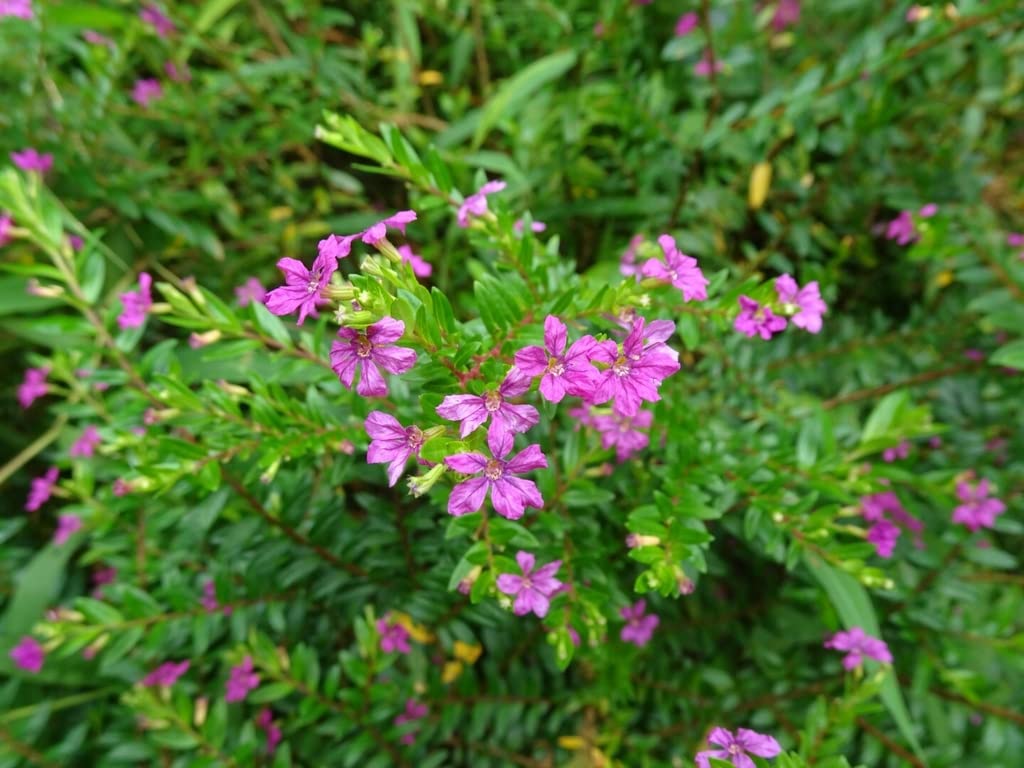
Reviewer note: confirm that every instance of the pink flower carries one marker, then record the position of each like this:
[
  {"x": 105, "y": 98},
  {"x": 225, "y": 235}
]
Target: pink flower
[
  {"x": 135, "y": 304},
  {"x": 787, "y": 13},
  {"x": 413, "y": 711},
  {"x": 599, "y": 29},
  {"x": 737, "y": 748},
  {"x": 16, "y": 9},
  {"x": 394, "y": 637},
  {"x": 755, "y": 320},
  {"x": 639, "y": 625},
  {"x": 101, "y": 577},
  {"x": 155, "y": 18},
  {"x": 67, "y": 526},
  {"x": 916, "y": 13},
  {"x": 622, "y": 432},
  {"x": 534, "y": 589},
  {"x": 562, "y": 371},
  {"x": 1014, "y": 240},
  {"x": 509, "y": 495},
  {"x": 704, "y": 68},
  {"x": 978, "y": 510},
  {"x": 803, "y": 304},
  {"x": 902, "y": 229},
  {"x": 166, "y": 674},
  {"x": 28, "y": 655},
  {"x": 884, "y": 510},
  {"x": 41, "y": 490},
  {"x": 377, "y": 232},
  {"x": 679, "y": 269},
  {"x": 93, "y": 37},
  {"x": 420, "y": 267},
  {"x": 6, "y": 224},
  {"x": 33, "y": 386},
  {"x": 884, "y": 535},
  {"x": 146, "y": 91},
  {"x": 476, "y": 204},
  {"x": 536, "y": 226},
  {"x": 687, "y": 23},
  {"x": 176, "y": 73},
  {"x": 249, "y": 291},
  {"x": 627, "y": 262},
  {"x": 635, "y": 373},
  {"x": 241, "y": 681},
  {"x": 75, "y": 242},
  {"x": 858, "y": 644},
  {"x": 86, "y": 444},
  {"x": 928, "y": 210},
  {"x": 122, "y": 487},
  {"x": 32, "y": 161},
  {"x": 899, "y": 451},
  {"x": 391, "y": 443},
  {"x": 265, "y": 721},
  {"x": 209, "y": 598},
  {"x": 303, "y": 286},
  {"x": 368, "y": 350},
  {"x": 506, "y": 418}
]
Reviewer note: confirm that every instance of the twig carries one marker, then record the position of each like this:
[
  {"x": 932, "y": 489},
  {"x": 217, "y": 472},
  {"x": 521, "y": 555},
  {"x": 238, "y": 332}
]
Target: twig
[{"x": 888, "y": 743}]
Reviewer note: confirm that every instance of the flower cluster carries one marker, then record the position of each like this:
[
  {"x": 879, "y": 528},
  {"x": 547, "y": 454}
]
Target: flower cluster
[
  {"x": 241, "y": 681},
  {"x": 903, "y": 229},
  {"x": 978, "y": 510},
  {"x": 737, "y": 747},
  {"x": 888, "y": 517},
  {"x": 804, "y": 306},
  {"x": 857, "y": 645}
]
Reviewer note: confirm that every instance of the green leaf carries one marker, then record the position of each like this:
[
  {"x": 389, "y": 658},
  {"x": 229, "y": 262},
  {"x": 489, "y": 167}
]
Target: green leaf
[
  {"x": 211, "y": 13},
  {"x": 37, "y": 588},
  {"x": 1010, "y": 355}
]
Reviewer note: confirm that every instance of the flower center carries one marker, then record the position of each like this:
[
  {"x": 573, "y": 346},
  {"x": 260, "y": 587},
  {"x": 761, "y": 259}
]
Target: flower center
[
  {"x": 314, "y": 282},
  {"x": 734, "y": 749},
  {"x": 555, "y": 366},
  {"x": 492, "y": 400},
  {"x": 415, "y": 437},
  {"x": 621, "y": 366},
  {"x": 493, "y": 470},
  {"x": 363, "y": 346},
  {"x": 790, "y": 309}
]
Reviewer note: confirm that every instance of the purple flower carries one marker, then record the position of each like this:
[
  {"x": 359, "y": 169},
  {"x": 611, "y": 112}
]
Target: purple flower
[
  {"x": 928, "y": 210},
  {"x": 622, "y": 432},
  {"x": 536, "y": 226},
  {"x": 737, "y": 748},
  {"x": 884, "y": 510},
  {"x": 704, "y": 67},
  {"x": 562, "y": 371},
  {"x": 32, "y": 161},
  {"x": 787, "y": 13},
  {"x": 28, "y": 655},
  {"x": 166, "y": 674},
  {"x": 687, "y": 23},
  {"x": 6, "y": 224},
  {"x": 1015, "y": 239},
  {"x": 33, "y": 386},
  {"x": 75, "y": 242},
  {"x": 368, "y": 350},
  {"x": 67, "y": 526},
  {"x": 209, "y": 598},
  {"x": 420, "y": 267},
  {"x": 241, "y": 681},
  {"x": 755, "y": 320},
  {"x": 679, "y": 269},
  {"x": 901, "y": 229},
  {"x": 155, "y": 18},
  {"x": 135, "y": 304},
  {"x": 534, "y": 589},
  {"x": 16, "y": 9},
  {"x": 899, "y": 451},
  {"x": 394, "y": 637},
  {"x": 176, "y": 73},
  {"x": 639, "y": 625},
  {"x": 146, "y": 91},
  {"x": 391, "y": 443},
  {"x": 86, "y": 444},
  {"x": 884, "y": 535},
  {"x": 121, "y": 487},
  {"x": 265, "y": 721},
  {"x": 476, "y": 204},
  {"x": 978, "y": 510},
  {"x": 627, "y": 263},
  {"x": 41, "y": 490},
  {"x": 374, "y": 234},
  {"x": 509, "y": 495},
  {"x": 857, "y": 645},
  {"x": 93, "y": 37},
  {"x": 635, "y": 373},
  {"x": 249, "y": 291},
  {"x": 804, "y": 305},
  {"x": 413, "y": 711},
  {"x": 506, "y": 417},
  {"x": 303, "y": 286}
]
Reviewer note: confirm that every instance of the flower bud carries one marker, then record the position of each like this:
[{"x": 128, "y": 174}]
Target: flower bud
[
  {"x": 199, "y": 714},
  {"x": 420, "y": 485}
]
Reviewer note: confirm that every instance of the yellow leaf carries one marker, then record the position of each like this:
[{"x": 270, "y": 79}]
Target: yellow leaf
[
  {"x": 760, "y": 180},
  {"x": 571, "y": 742},
  {"x": 451, "y": 671},
  {"x": 944, "y": 278},
  {"x": 418, "y": 633},
  {"x": 431, "y": 77},
  {"x": 467, "y": 652}
]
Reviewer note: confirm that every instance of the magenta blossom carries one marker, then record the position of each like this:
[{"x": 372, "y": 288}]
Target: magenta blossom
[
  {"x": 32, "y": 161},
  {"x": 627, "y": 263},
  {"x": 506, "y": 417},
  {"x": 166, "y": 674},
  {"x": 176, "y": 73},
  {"x": 928, "y": 210},
  {"x": 755, "y": 320},
  {"x": 704, "y": 67},
  {"x": 413, "y": 711},
  {"x": 146, "y": 91},
  {"x": 895, "y": 452},
  {"x": 679, "y": 269},
  {"x": 41, "y": 490},
  {"x": 635, "y": 372},
  {"x": 885, "y": 511},
  {"x": 509, "y": 495},
  {"x": 67, "y": 526},
  {"x": 902, "y": 229},
  {"x": 391, "y": 443},
  {"x": 100, "y": 578},
  {"x": 394, "y": 637},
  {"x": 265, "y": 721},
  {"x": 738, "y": 748},
  {"x": 562, "y": 371},
  {"x": 241, "y": 681},
  {"x": 420, "y": 266},
  {"x": 803, "y": 305},
  {"x": 93, "y": 37},
  {"x": 156, "y": 18},
  {"x": 978, "y": 510},
  {"x": 6, "y": 225},
  {"x": 884, "y": 534},
  {"x": 86, "y": 444},
  {"x": 623, "y": 433},
  {"x": 687, "y": 23},
  {"x": 377, "y": 232},
  {"x": 33, "y": 386},
  {"x": 857, "y": 645},
  {"x": 28, "y": 655},
  {"x": 536, "y": 226},
  {"x": 16, "y": 9},
  {"x": 787, "y": 13},
  {"x": 476, "y": 204},
  {"x": 209, "y": 598},
  {"x": 639, "y": 625},
  {"x": 250, "y": 291},
  {"x": 121, "y": 487},
  {"x": 534, "y": 589},
  {"x": 303, "y": 287},
  {"x": 135, "y": 304},
  {"x": 1014, "y": 240},
  {"x": 368, "y": 350}
]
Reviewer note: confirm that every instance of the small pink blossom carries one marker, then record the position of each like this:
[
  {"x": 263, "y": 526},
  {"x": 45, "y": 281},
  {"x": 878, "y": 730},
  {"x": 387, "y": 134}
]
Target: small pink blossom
[
  {"x": 1014, "y": 240},
  {"x": 476, "y": 204},
  {"x": 627, "y": 262},
  {"x": 787, "y": 13},
  {"x": 28, "y": 655},
  {"x": 506, "y": 417},
  {"x": 413, "y": 711},
  {"x": 166, "y": 674},
  {"x": 241, "y": 681},
  {"x": 888, "y": 517},
  {"x": 562, "y": 371},
  {"x": 687, "y": 23},
  {"x": 176, "y": 73},
  {"x": 135, "y": 304},
  {"x": 146, "y": 91},
  {"x": 17, "y": 9},
  {"x": 391, "y": 443},
  {"x": 41, "y": 490},
  {"x": 377, "y": 232},
  {"x": 804, "y": 305},
  {"x": 756, "y": 320},
  {"x": 535, "y": 226},
  {"x": 32, "y": 161},
  {"x": 100, "y": 578},
  {"x": 737, "y": 748},
  {"x": 75, "y": 242},
  {"x": 902, "y": 229},
  {"x": 896, "y": 452},
  {"x": 303, "y": 287},
  {"x": 533, "y": 589},
  {"x": 679, "y": 269},
  {"x": 599, "y": 29},
  {"x": 636, "y": 371},
  {"x": 265, "y": 722},
  {"x": 86, "y": 444},
  {"x": 368, "y": 350},
  {"x": 420, "y": 266},
  {"x": 93, "y": 37},
  {"x": 209, "y": 598},
  {"x": 704, "y": 67},
  {"x": 6, "y": 225},
  {"x": 510, "y": 495},
  {"x": 122, "y": 487},
  {"x": 639, "y": 625},
  {"x": 622, "y": 432},
  {"x": 67, "y": 526},
  {"x": 857, "y": 644},
  {"x": 394, "y": 637},
  {"x": 928, "y": 210},
  {"x": 155, "y": 18},
  {"x": 33, "y": 386},
  {"x": 978, "y": 510},
  {"x": 916, "y": 13}
]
